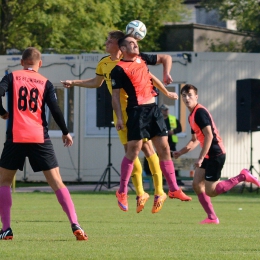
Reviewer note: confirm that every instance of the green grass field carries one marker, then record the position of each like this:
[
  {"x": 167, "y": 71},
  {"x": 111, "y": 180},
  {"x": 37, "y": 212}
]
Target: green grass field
[{"x": 42, "y": 231}]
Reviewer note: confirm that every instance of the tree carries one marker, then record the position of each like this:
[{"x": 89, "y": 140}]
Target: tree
[
  {"x": 245, "y": 12},
  {"x": 58, "y": 24},
  {"x": 67, "y": 26},
  {"x": 154, "y": 14}
]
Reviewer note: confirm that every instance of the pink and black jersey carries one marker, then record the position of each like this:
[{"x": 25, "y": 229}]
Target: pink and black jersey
[
  {"x": 200, "y": 118},
  {"x": 135, "y": 79},
  {"x": 28, "y": 92}
]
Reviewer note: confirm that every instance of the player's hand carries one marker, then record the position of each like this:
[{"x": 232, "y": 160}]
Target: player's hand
[
  {"x": 176, "y": 154},
  {"x": 119, "y": 125},
  {"x": 167, "y": 79},
  {"x": 67, "y": 140},
  {"x": 172, "y": 95},
  {"x": 67, "y": 83},
  {"x": 170, "y": 132},
  {"x": 5, "y": 116},
  {"x": 198, "y": 163}
]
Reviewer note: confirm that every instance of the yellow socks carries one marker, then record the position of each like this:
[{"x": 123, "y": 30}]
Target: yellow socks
[
  {"x": 137, "y": 177},
  {"x": 155, "y": 169}
]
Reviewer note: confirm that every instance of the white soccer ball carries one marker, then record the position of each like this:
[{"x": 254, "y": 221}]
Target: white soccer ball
[{"x": 137, "y": 29}]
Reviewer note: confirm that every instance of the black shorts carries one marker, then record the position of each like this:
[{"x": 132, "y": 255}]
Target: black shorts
[
  {"x": 41, "y": 156},
  {"x": 145, "y": 121},
  {"x": 213, "y": 167}
]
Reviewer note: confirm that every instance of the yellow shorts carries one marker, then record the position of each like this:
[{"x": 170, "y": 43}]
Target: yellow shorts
[{"x": 122, "y": 134}]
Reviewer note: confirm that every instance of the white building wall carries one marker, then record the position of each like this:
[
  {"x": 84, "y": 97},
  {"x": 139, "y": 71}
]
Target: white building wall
[{"x": 214, "y": 74}]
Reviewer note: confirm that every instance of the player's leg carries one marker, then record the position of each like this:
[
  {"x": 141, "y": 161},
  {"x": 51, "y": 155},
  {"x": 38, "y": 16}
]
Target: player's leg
[
  {"x": 154, "y": 165},
  {"x": 136, "y": 175},
  {"x": 205, "y": 201},
  {"x": 167, "y": 167},
  {"x": 133, "y": 149},
  {"x": 6, "y": 178},
  {"x": 53, "y": 178},
  {"x": 43, "y": 158},
  {"x": 8, "y": 168},
  {"x": 137, "y": 169},
  {"x": 224, "y": 186}
]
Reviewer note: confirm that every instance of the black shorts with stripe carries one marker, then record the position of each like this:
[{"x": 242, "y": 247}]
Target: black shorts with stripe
[
  {"x": 145, "y": 121},
  {"x": 41, "y": 156}
]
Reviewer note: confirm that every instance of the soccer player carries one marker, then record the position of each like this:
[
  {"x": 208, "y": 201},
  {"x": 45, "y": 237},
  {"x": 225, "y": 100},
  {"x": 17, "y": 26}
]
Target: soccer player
[
  {"x": 103, "y": 72},
  {"x": 27, "y": 136},
  {"x": 212, "y": 156},
  {"x": 145, "y": 119}
]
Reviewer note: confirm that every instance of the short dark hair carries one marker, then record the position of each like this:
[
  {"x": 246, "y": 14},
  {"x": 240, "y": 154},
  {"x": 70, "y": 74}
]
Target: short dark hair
[
  {"x": 31, "y": 54},
  {"x": 116, "y": 34},
  {"x": 121, "y": 41},
  {"x": 186, "y": 88}
]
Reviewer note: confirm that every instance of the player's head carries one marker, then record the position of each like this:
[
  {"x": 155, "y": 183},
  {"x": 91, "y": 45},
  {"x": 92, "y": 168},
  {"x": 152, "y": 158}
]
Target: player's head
[
  {"x": 116, "y": 34},
  {"x": 189, "y": 94},
  {"x": 31, "y": 57},
  {"x": 128, "y": 45},
  {"x": 112, "y": 39},
  {"x": 165, "y": 110}
]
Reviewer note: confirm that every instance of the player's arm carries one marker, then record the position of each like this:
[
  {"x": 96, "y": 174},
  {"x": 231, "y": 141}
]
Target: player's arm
[
  {"x": 117, "y": 108},
  {"x": 158, "y": 84},
  {"x": 178, "y": 128},
  {"x": 3, "y": 113},
  {"x": 58, "y": 117},
  {"x": 166, "y": 61},
  {"x": 117, "y": 75},
  {"x": 208, "y": 136},
  {"x": 4, "y": 84},
  {"x": 85, "y": 83},
  {"x": 192, "y": 144}
]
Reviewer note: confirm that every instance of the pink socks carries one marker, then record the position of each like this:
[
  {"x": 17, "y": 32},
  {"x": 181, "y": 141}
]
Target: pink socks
[
  {"x": 65, "y": 201},
  {"x": 126, "y": 171},
  {"x": 226, "y": 185},
  {"x": 205, "y": 202},
  {"x": 5, "y": 206},
  {"x": 168, "y": 171}
]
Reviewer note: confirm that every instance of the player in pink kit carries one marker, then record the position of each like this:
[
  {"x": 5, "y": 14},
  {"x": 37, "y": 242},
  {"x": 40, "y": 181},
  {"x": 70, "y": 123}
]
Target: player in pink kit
[
  {"x": 27, "y": 136},
  {"x": 212, "y": 157},
  {"x": 144, "y": 118}
]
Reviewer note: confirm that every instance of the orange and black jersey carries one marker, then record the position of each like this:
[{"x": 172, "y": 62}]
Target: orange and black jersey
[
  {"x": 135, "y": 79},
  {"x": 200, "y": 118},
  {"x": 28, "y": 93}
]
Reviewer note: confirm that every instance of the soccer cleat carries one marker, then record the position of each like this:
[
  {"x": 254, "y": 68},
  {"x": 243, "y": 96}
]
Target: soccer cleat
[
  {"x": 158, "y": 202},
  {"x": 249, "y": 177},
  {"x": 79, "y": 232},
  {"x": 7, "y": 234},
  {"x": 179, "y": 194},
  {"x": 210, "y": 221},
  {"x": 122, "y": 201},
  {"x": 141, "y": 200}
]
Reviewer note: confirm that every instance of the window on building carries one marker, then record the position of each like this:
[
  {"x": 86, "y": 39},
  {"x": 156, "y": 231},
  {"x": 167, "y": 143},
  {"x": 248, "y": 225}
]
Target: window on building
[
  {"x": 65, "y": 99},
  {"x": 176, "y": 107}
]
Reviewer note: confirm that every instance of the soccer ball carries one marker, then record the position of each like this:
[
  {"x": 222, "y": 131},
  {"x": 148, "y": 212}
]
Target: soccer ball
[{"x": 137, "y": 29}]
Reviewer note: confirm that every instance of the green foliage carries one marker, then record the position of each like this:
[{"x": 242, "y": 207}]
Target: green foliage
[
  {"x": 66, "y": 26},
  {"x": 220, "y": 46},
  {"x": 245, "y": 12},
  {"x": 153, "y": 14},
  {"x": 42, "y": 231}
]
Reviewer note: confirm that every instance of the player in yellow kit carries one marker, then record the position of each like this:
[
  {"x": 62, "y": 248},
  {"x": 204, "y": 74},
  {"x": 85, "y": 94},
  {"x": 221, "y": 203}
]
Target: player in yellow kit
[{"x": 103, "y": 71}]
